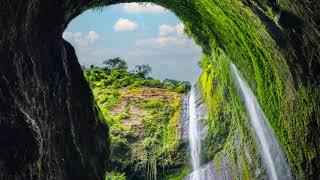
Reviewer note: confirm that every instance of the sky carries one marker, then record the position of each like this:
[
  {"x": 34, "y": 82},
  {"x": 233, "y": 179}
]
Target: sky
[{"x": 138, "y": 33}]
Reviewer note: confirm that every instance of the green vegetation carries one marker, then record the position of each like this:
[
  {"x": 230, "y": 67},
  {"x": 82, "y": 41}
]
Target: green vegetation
[
  {"x": 228, "y": 124},
  {"x": 144, "y": 119},
  {"x": 115, "y": 74},
  {"x": 278, "y": 72},
  {"x": 115, "y": 176}
]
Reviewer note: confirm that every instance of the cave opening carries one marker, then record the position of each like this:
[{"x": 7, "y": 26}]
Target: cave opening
[
  {"x": 114, "y": 46},
  {"x": 274, "y": 46},
  {"x": 142, "y": 33}
]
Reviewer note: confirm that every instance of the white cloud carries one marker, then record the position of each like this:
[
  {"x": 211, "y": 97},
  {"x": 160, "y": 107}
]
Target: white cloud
[
  {"x": 180, "y": 29},
  {"x": 142, "y": 8},
  {"x": 168, "y": 36},
  {"x": 92, "y": 36},
  {"x": 165, "y": 30},
  {"x": 139, "y": 52},
  {"x": 125, "y": 25},
  {"x": 81, "y": 39},
  {"x": 162, "y": 41}
]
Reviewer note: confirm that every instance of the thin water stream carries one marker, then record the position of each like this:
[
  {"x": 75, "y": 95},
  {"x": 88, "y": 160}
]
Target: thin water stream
[
  {"x": 197, "y": 132},
  {"x": 273, "y": 157},
  {"x": 194, "y": 135}
]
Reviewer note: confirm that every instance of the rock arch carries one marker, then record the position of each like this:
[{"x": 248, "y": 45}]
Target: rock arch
[{"x": 43, "y": 92}]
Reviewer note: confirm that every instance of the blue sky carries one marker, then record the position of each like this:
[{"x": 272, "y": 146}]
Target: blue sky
[{"x": 141, "y": 34}]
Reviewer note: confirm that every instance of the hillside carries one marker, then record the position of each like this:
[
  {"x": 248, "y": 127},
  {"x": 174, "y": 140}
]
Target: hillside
[{"x": 143, "y": 115}]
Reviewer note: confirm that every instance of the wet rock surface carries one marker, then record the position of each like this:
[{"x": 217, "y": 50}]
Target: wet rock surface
[{"x": 49, "y": 128}]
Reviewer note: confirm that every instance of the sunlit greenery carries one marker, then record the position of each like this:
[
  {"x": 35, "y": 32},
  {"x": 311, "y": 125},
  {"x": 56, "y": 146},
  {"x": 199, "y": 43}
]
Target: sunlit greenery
[
  {"x": 243, "y": 32},
  {"x": 115, "y": 74},
  {"x": 144, "y": 119}
]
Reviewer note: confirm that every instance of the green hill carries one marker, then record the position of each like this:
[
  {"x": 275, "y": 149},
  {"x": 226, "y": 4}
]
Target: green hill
[{"x": 144, "y": 119}]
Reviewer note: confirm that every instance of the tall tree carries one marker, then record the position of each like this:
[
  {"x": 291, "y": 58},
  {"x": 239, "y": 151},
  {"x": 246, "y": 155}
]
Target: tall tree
[
  {"x": 143, "y": 70},
  {"x": 115, "y": 63}
]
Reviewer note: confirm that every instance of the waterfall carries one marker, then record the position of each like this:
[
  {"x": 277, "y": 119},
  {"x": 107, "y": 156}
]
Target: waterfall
[
  {"x": 196, "y": 110},
  {"x": 194, "y": 135},
  {"x": 211, "y": 172},
  {"x": 272, "y": 154}
]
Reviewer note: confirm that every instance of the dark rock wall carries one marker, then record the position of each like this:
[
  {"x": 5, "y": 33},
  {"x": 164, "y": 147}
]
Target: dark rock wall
[{"x": 49, "y": 128}]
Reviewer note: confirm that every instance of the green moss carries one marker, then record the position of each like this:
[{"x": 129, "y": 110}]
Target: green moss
[
  {"x": 115, "y": 176},
  {"x": 180, "y": 174},
  {"x": 228, "y": 124}
]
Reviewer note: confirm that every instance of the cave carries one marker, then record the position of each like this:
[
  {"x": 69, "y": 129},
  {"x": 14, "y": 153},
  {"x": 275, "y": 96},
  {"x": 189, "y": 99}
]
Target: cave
[{"x": 51, "y": 127}]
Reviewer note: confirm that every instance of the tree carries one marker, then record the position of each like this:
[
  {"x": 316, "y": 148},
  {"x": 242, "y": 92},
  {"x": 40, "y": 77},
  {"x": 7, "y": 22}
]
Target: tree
[
  {"x": 172, "y": 82},
  {"x": 183, "y": 87},
  {"x": 115, "y": 63},
  {"x": 178, "y": 86},
  {"x": 143, "y": 70}
]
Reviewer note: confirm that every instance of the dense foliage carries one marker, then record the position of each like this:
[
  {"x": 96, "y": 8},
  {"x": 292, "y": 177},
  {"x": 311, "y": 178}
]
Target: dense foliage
[
  {"x": 115, "y": 74},
  {"x": 144, "y": 119}
]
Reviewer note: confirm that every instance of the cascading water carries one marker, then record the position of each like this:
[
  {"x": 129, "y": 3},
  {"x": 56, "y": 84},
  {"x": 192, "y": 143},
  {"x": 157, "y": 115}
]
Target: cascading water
[
  {"x": 196, "y": 111},
  {"x": 272, "y": 154},
  {"x": 194, "y": 136}
]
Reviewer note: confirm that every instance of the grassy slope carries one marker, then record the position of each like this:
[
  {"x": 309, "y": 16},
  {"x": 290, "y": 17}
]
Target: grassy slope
[
  {"x": 144, "y": 119},
  {"x": 145, "y": 130}
]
